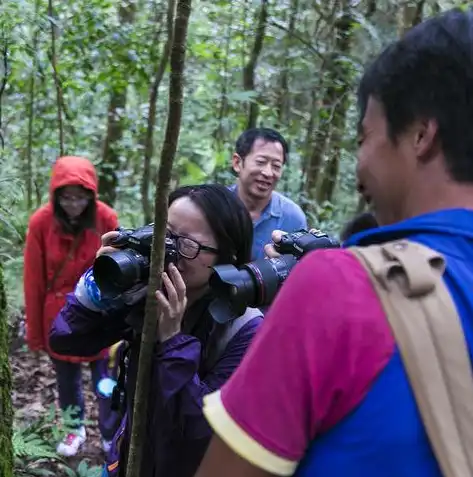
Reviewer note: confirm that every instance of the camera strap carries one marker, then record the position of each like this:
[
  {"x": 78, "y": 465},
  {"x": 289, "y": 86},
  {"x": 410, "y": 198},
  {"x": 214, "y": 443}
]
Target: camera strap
[
  {"x": 226, "y": 333},
  {"x": 407, "y": 277},
  {"x": 62, "y": 265}
]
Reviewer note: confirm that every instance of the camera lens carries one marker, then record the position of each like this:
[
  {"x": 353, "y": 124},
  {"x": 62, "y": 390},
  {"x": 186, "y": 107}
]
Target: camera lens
[
  {"x": 118, "y": 271},
  {"x": 255, "y": 284}
]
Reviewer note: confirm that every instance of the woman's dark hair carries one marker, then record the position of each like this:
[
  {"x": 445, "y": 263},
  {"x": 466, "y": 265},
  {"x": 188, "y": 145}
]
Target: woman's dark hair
[
  {"x": 85, "y": 221},
  {"x": 359, "y": 223},
  {"x": 227, "y": 216}
]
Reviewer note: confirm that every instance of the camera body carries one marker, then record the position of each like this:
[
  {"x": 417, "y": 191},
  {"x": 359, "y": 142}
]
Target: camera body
[
  {"x": 256, "y": 283},
  {"x": 118, "y": 271}
]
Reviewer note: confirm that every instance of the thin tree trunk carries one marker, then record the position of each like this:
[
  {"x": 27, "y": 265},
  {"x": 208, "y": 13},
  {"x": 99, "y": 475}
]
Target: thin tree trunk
[
  {"x": 3, "y": 84},
  {"x": 283, "y": 106},
  {"x": 411, "y": 16},
  {"x": 6, "y": 410},
  {"x": 31, "y": 104},
  {"x": 110, "y": 164},
  {"x": 219, "y": 133},
  {"x": 148, "y": 142},
  {"x": 361, "y": 205},
  {"x": 371, "y": 8},
  {"x": 332, "y": 114},
  {"x": 250, "y": 67},
  {"x": 59, "y": 99},
  {"x": 149, "y": 333}
]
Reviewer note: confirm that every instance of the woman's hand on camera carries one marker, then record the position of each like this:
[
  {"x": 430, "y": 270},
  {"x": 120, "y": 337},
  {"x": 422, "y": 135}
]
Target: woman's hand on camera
[
  {"x": 269, "y": 249},
  {"x": 107, "y": 240},
  {"x": 174, "y": 306}
]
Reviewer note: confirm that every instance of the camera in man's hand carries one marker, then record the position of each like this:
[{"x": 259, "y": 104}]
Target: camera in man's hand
[
  {"x": 118, "y": 271},
  {"x": 256, "y": 283}
]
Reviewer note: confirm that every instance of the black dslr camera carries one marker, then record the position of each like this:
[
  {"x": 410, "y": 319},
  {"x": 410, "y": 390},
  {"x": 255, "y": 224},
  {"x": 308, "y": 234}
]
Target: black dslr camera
[
  {"x": 256, "y": 283},
  {"x": 118, "y": 271}
]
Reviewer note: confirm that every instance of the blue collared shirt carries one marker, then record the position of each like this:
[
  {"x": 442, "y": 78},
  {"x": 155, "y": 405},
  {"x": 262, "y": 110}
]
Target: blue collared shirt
[{"x": 280, "y": 214}]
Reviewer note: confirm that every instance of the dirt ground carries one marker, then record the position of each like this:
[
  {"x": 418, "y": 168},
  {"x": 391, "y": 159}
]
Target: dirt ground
[{"x": 34, "y": 390}]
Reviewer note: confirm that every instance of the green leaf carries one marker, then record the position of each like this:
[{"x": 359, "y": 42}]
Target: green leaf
[{"x": 238, "y": 96}]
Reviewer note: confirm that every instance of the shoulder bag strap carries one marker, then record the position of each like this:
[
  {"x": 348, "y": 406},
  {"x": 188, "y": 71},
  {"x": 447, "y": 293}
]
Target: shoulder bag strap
[
  {"x": 60, "y": 269},
  {"x": 407, "y": 277}
]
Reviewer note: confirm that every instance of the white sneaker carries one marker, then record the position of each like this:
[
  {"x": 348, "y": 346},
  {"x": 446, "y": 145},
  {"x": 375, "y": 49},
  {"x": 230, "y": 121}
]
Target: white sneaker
[
  {"x": 106, "y": 445},
  {"x": 72, "y": 443}
]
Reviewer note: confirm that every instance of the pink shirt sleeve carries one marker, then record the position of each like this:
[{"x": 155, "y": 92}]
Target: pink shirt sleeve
[{"x": 322, "y": 343}]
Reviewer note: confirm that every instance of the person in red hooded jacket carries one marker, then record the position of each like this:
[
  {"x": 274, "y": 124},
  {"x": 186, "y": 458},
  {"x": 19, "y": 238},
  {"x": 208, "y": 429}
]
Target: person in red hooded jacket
[{"x": 62, "y": 240}]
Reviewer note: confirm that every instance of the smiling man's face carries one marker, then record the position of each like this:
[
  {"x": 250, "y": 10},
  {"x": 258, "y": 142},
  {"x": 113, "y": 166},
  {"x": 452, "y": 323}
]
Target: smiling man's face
[
  {"x": 260, "y": 171},
  {"x": 386, "y": 170}
]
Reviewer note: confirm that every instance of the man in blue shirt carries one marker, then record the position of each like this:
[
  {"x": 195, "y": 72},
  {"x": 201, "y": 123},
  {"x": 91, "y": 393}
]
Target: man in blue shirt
[{"x": 258, "y": 161}]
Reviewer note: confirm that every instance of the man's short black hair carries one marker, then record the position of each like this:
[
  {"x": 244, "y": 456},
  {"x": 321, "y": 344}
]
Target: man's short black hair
[
  {"x": 428, "y": 74},
  {"x": 247, "y": 139}
]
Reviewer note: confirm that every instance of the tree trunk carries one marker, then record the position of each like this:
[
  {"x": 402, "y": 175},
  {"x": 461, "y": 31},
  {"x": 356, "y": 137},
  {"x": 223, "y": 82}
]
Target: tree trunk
[
  {"x": 341, "y": 74},
  {"x": 332, "y": 104},
  {"x": 371, "y": 8},
  {"x": 110, "y": 164},
  {"x": 361, "y": 206},
  {"x": 6, "y": 410},
  {"x": 153, "y": 98},
  {"x": 250, "y": 67},
  {"x": 57, "y": 84},
  {"x": 219, "y": 133},
  {"x": 32, "y": 98},
  {"x": 149, "y": 333},
  {"x": 283, "y": 106},
  {"x": 411, "y": 16}
]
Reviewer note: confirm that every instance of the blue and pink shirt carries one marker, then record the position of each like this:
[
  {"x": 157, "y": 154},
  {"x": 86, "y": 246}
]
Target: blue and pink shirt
[{"x": 322, "y": 390}]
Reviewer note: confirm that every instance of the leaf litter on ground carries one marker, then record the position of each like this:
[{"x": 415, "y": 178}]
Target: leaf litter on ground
[{"x": 34, "y": 397}]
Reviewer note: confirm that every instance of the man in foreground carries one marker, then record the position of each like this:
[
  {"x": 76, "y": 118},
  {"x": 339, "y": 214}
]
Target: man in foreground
[
  {"x": 259, "y": 160},
  {"x": 322, "y": 390}
]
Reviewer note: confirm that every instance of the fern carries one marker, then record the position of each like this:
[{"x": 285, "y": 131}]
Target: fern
[
  {"x": 32, "y": 447},
  {"x": 83, "y": 470}
]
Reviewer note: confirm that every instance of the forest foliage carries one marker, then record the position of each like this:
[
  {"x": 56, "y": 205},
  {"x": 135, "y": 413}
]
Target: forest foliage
[{"x": 91, "y": 78}]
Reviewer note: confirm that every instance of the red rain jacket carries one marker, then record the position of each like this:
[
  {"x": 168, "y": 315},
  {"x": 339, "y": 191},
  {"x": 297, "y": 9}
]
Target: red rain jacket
[{"x": 47, "y": 247}]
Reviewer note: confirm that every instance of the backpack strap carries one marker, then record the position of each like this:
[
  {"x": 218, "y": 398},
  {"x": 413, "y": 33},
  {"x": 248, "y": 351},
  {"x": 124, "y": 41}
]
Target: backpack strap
[
  {"x": 227, "y": 333},
  {"x": 408, "y": 280}
]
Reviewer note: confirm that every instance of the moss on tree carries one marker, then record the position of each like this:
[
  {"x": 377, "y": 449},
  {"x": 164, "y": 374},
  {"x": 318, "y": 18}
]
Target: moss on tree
[{"x": 6, "y": 411}]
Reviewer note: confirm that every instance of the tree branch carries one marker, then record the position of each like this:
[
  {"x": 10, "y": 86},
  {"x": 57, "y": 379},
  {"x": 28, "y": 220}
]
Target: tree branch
[
  {"x": 59, "y": 97},
  {"x": 3, "y": 84},
  {"x": 296, "y": 36},
  {"x": 149, "y": 333}
]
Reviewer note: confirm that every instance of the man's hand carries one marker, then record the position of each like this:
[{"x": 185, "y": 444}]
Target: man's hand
[{"x": 269, "y": 249}]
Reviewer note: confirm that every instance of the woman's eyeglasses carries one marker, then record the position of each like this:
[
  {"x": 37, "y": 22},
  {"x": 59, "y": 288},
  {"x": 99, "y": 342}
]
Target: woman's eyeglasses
[
  {"x": 68, "y": 200},
  {"x": 188, "y": 247}
]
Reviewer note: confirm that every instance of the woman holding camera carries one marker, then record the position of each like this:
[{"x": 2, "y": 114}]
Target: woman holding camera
[{"x": 194, "y": 353}]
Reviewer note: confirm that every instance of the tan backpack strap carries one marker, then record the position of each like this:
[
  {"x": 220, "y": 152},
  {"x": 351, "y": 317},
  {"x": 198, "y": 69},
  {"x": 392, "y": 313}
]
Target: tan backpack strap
[{"x": 408, "y": 280}]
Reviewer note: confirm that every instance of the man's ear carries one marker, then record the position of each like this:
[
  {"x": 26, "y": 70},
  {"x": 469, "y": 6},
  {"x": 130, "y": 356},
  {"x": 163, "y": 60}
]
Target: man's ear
[
  {"x": 425, "y": 139},
  {"x": 237, "y": 163}
]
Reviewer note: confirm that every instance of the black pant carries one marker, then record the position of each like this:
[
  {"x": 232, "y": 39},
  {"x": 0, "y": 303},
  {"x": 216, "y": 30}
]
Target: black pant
[{"x": 69, "y": 382}]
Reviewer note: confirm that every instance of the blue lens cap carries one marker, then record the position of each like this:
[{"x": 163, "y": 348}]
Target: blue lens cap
[{"x": 105, "y": 387}]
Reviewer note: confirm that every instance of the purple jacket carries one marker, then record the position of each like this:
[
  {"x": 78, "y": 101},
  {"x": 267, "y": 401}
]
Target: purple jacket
[{"x": 178, "y": 433}]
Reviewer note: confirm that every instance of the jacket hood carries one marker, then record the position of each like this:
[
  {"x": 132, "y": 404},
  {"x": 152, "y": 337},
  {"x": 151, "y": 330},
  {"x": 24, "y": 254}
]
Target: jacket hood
[{"x": 73, "y": 170}]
